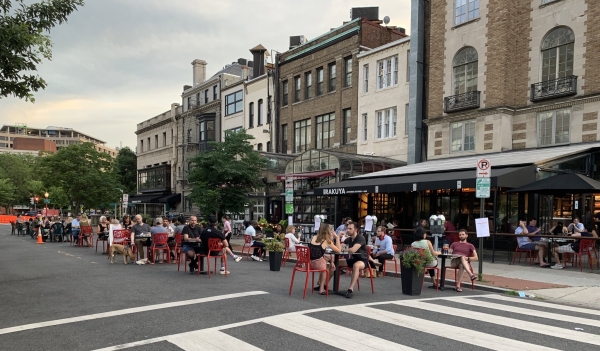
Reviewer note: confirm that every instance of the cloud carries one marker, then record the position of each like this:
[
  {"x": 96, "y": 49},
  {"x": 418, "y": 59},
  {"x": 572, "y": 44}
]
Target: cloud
[{"x": 117, "y": 63}]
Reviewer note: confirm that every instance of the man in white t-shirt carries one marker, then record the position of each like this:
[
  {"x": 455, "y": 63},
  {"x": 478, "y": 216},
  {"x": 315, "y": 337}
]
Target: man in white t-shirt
[
  {"x": 525, "y": 242},
  {"x": 252, "y": 232}
]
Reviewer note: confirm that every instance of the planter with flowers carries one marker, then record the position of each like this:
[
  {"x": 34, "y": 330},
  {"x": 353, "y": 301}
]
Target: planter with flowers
[
  {"x": 412, "y": 267},
  {"x": 275, "y": 246}
]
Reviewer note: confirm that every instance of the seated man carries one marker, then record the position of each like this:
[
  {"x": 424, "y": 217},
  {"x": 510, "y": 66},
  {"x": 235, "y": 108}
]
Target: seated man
[
  {"x": 576, "y": 226},
  {"x": 139, "y": 228},
  {"x": 251, "y": 230},
  {"x": 573, "y": 247},
  {"x": 212, "y": 232},
  {"x": 357, "y": 248},
  {"x": 158, "y": 229},
  {"x": 191, "y": 239},
  {"x": 525, "y": 242},
  {"x": 468, "y": 254},
  {"x": 383, "y": 250}
]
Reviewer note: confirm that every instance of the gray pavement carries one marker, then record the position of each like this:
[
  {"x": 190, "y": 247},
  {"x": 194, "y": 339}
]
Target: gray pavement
[{"x": 58, "y": 297}]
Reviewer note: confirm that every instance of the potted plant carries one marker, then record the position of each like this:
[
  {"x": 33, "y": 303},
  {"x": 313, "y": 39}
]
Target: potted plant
[
  {"x": 412, "y": 267},
  {"x": 275, "y": 246}
]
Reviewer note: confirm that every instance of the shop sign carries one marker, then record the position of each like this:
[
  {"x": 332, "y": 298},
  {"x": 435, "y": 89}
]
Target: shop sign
[{"x": 334, "y": 191}]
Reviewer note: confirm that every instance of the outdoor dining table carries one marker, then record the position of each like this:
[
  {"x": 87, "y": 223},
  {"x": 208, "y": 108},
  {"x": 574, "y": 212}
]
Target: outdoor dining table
[
  {"x": 551, "y": 239},
  {"x": 444, "y": 256}
]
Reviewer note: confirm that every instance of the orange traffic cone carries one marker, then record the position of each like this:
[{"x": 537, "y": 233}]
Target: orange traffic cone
[{"x": 40, "y": 241}]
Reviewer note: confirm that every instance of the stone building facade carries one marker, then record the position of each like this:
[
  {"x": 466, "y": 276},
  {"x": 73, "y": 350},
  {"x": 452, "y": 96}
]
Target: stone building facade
[{"x": 506, "y": 75}]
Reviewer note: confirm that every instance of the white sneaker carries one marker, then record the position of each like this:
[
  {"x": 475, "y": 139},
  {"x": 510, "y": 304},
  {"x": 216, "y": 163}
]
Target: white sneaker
[
  {"x": 223, "y": 272},
  {"x": 254, "y": 258},
  {"x": 238, "y": 258},
  {"x": 557, "y": 266}
]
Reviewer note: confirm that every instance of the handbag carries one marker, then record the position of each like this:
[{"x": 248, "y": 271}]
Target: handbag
[{"x": 370, "y": 272}]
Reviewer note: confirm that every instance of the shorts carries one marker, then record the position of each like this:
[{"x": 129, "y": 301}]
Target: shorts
[
  {"x": 197, "y": 249},
  {"x": 319, "y": 264},
  {"x": 455, "y": 262},
  {"x": 530, "y": 246},
  {"x": 351, "y": 261},
  {"x": 565, "y": 249}
]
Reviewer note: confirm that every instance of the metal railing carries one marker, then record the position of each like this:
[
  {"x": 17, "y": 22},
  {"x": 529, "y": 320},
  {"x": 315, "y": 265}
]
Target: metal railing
[
  {"x": 554, "y": 88},
  {"x": 461, "y": 102}
]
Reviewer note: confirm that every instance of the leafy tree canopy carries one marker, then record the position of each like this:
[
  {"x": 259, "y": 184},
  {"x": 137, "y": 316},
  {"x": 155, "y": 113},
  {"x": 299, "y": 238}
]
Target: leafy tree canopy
[
  {"x": 23, "y": 42},
  {"x": 7, "y": 192},
  {"x": 19, "y": 170},
  {"x": 126, "y": 167},
  {"x": 222, "y": 178}
]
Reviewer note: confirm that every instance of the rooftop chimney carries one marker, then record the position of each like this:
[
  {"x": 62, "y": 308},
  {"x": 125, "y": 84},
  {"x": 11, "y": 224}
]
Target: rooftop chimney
[
  {"x": 258, "y": 56},
  {"x": 199, "y": 68}
]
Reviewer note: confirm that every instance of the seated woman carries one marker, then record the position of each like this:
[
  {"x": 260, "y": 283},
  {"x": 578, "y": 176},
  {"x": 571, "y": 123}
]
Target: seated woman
[
  {"x": 294, "y": 238},
  {"x": 422, "y": 243},
  {"x": 103, "y": 228},
  {"x": 317, "y": 246},
  {"x": 85, "y": 222}
]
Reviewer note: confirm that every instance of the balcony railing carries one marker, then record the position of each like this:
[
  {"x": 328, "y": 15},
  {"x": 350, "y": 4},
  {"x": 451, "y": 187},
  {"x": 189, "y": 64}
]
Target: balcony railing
[
  {"x": 554, "y": 88},
  {"x": 462, "y": 101}
]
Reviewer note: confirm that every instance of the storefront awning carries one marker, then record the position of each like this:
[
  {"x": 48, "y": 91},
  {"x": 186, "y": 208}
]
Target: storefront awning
[
  {"x": 307, "y": 175},
  {"x": 144, "y": 198},
  {"x": 170, "y": 199},
  {"x": 509, "y": 177}
]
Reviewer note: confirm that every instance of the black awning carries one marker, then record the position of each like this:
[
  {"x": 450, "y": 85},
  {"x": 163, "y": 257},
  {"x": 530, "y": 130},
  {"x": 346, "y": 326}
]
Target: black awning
[
  {"x": 170, "y": 199},
  {"x": 510, "y": 177},
  {"x": 144, "y": 198},
  {"x": 563, "y": 183}
]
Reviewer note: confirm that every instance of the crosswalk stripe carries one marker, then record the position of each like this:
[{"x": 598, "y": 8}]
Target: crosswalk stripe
[
  {"x": 464, "y": 335},
  {"x": 332, "y": 335},
  {"x": 543, "y": 304},
  {"x": 507, "y": 322},
  {"x": 210, "y": 340},
  {"x": 529, "y": 312}
]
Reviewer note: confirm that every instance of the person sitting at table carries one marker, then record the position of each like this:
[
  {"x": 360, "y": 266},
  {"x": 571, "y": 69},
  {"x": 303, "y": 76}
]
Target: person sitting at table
[
  {"x": 191, "y": 236},
  {"x": 422, "y": 243},
  {"x": 572, "y": 248},
  {"x": 85, "y": 222},
  {"x": 256, "y": 237},
  {"x": 558, "y": 229},
  {"x": 103, "y": 228},
  {"x": 342, "y": 227},
  {"x": 525, "y": 242},
  {"x": 576, "y": 226},
  {"x": 382, "y": 250},
  {"x": 158, "y": 228},
  {"x": 126, "y": 223},
  {"x": 294, "y": 238},
  {"x": 211, "y": 231},
  {"x": 317, "y": 246},
  {"x": 467, "y": 254},
  {"x": 533, "y": 230},
  {"x": 136, "y": 230},
  {"x": 358, "y": 257}
]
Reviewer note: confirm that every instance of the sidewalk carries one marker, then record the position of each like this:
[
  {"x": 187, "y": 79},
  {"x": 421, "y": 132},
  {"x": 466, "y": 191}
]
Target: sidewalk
[{"x": 568, "y": 285}]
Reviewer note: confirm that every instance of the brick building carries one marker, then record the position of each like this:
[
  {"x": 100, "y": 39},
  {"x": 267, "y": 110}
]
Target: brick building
[{"x": 34, "y": 144}]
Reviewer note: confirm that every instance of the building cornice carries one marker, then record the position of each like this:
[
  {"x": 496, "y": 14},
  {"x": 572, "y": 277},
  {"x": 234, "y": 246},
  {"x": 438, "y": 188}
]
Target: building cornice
[
  {"x": 154, "y": 126},
  {"x": 200, "y": 109}
]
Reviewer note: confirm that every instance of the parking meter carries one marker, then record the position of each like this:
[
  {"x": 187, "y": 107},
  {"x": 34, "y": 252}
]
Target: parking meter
[{"x": 436, "y": 228}]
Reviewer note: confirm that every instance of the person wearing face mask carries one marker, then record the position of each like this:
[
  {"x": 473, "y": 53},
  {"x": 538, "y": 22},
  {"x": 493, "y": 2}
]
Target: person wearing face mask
[{"x": 383, "y": 249}]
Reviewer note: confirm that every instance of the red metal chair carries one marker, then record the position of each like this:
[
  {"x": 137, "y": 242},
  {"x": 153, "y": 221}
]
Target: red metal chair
[
  {"x": 303, "y": 265},
  {"x": 392, "y": 259},
  {"x": 120, "y": 237},
  {"x": 586, "y": 247},
  {"x": 286, "y": 253},
  {"x": 86, "y": 231},
  {"x": 178, "y": 249},
  {"x": 519, "y": 251},
  {"x": 248, "y": 245},
  {"x": 160, "y": 243},
  {"x": 456, "y": 275},
  {"x": 362, "y": 272},
  {"x": 214, "y": 245}
]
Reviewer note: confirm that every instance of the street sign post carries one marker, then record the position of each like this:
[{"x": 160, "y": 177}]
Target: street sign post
[
  {"x": 289, "y": 196},
  {"x": 483, "y": 186},
  {"x": 484, "y": 168}
]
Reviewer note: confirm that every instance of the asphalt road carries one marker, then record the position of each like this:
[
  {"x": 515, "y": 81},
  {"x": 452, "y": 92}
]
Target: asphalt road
[{"x": 58, "y": 297}]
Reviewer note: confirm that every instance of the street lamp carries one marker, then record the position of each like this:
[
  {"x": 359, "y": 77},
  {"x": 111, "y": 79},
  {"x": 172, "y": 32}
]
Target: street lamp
[{"x": 46, "y": 201}]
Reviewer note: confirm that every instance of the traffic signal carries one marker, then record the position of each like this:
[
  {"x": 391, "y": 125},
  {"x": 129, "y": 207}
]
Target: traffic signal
[
  {"x": 31, "y": 200},
  {"x": 36, "y": 199}
]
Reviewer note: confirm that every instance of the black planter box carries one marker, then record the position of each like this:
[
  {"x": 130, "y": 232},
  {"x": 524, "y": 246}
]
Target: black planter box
[
  {"x": 411, "y": 281},
  {"x": 275, "y": 260}
]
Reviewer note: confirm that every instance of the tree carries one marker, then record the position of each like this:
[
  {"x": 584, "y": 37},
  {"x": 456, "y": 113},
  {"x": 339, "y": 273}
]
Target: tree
[
  {"x": 222, "y": 178},
  {"x": 19, "y": 170},
  {"x": 7, "y": 192},
  {"x": 85, "y": 175},
  {"x": 23, "y": 43},
  {"x": 126, "y": 168}
]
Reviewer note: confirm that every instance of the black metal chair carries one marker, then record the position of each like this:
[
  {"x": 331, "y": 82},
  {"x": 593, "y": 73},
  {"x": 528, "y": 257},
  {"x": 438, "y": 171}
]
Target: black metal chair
[{"x": 57, "y": 229}]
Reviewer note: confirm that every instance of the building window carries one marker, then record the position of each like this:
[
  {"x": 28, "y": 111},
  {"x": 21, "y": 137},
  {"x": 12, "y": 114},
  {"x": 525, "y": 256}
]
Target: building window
[
  {"x": 385, "y": 123},
  {"x": 387, "y": 72},
  {"x": 189, "y": 103},
  {"x": 284, "y": 139},
  {"x": 465, "y": 70},
  {"x": 557, "y": 54},
  {"x": 215, "y": 96},
  {"x": 553, "y": 127},
  {"x": 302, "y": 135},
  {"x": 297, "y": 88},
  {"x": 197, "y": 102},
  {"x": 308, "y": 88},
  {"x": 408, "y": 66},
  {"x": 365, "y": 78},
  {"x": 348, "y": 71},
  {"x": 365, "y": 123},
  {"x": 206, "y": 96},
  {"x": 406, "y": 111},
  {"x": 465, "y": 10},
  {"x": 234, "y": 103},
  {"x": 347, "y": 113},
  {"x": 149, "y": 144},
  {"x": 207, "y": 130},
  {"x": 331, "y": 77},
  {"x": 463, "y": 136},
  {"x": 259, "y": 147},
  {"x": 325, "y": 130},
  {"x": 284, "y": 87},
  {"x": 260, "y": 112},
  {"x": 268, "y": 146},
  {"x": 319, "y": 81},
  {"x": 141, "y": 146},
  {"x": 269, "y": 109},
  {"x": 251, "y": 115},
  {"x": 164, "y": 139},
  {"x": 232, "y": 131}
]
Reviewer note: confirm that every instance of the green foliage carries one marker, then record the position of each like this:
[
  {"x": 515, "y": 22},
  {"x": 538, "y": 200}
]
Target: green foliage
[
  {"x": 19, "y": 170},
  {"x": 263, "y": 222},
  {"x": 7, "y": 191},
  {"x": 23, "y": 43},
  {"x": 85, "y": 175},
  {"x": 283, "y": 223},
  {"x": 416, "y": 258},
  {"x": 511, "y": 293},
  {"x": 146, "y": 217},
  {"x": 222, "y": 178},
  {"x": 276, "y": 243},
  {"x": 58, "y": 198},
  {"x": 126, "y": 168}
]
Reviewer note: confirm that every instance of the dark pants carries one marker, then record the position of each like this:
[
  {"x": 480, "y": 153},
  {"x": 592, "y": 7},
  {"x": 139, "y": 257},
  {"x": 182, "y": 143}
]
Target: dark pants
[
  {"x": 259, "y": 244},
  {"x": 381, "y": 258},
  {"x": 228, "y": 238}
]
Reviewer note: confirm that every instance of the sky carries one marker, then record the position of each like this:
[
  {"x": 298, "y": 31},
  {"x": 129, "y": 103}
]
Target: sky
[{"x": 117, "y": 63}]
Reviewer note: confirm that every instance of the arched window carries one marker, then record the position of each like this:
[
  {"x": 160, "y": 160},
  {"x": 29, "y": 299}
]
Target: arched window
[
  {"x": 259, "y": 147},
  {"x": 465, "y": 70},
  {"x": 251, "y": 115},
  {"x": 260, "y": 113},
  {"x": 557, "y": 54}
]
